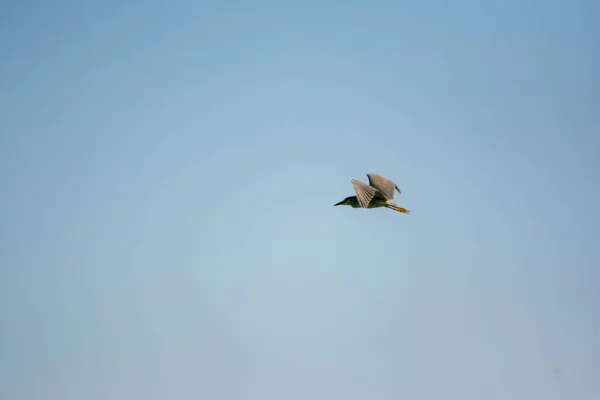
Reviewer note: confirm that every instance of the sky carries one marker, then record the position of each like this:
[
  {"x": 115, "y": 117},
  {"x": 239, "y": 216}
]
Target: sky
[{"x": 167, "y": 181}]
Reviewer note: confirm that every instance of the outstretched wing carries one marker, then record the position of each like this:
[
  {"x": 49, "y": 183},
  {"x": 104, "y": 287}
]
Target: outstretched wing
[
  {"x": 383, "y": 185},
  {"x": 364, "y": 193}
]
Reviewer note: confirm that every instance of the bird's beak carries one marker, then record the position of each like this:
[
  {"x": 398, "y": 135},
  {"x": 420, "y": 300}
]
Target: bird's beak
[{"x": 338, "y": 204}]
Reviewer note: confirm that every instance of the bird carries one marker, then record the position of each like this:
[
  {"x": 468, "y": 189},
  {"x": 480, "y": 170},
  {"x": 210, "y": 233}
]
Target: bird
[{"x": 378, "y": 193}]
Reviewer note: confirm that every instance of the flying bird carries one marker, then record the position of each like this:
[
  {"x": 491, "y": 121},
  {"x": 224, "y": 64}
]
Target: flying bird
[{"x": 378, "y": 193}]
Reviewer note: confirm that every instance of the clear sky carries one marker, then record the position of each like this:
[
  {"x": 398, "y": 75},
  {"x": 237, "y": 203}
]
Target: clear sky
[{"x": 167, "y": 181}]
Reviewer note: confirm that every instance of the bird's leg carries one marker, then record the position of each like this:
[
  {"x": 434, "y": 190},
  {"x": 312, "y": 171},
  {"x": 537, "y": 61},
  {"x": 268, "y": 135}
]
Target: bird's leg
[{"x": 398, "y": 208}]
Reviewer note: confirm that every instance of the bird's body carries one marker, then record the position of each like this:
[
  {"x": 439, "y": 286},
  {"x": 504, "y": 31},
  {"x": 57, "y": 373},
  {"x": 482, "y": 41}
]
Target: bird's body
[{"x": 378, "y": 193}]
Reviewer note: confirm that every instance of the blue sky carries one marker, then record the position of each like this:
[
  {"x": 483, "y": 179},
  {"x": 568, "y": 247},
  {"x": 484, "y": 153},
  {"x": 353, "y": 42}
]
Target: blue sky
[{"x": 168, "y": 175}]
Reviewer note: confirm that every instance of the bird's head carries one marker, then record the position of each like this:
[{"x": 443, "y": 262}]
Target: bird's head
[{"x": 348, "y": 201}]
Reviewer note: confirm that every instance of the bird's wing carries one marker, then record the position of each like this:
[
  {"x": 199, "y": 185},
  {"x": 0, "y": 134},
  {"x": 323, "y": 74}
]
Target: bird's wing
[
  {"x": 364, "y": 193},
  {"x": 383, "y": 185}
]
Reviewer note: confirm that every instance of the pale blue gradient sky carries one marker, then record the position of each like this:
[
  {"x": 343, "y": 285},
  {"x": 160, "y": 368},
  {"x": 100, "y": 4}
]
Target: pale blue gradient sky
[{"x": 167, "y": 181}]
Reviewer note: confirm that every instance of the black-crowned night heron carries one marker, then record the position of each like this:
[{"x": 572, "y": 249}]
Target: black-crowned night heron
[{"x": 378, "y": 193}]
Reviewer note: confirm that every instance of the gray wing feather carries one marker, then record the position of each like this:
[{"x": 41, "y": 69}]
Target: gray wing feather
[
  {"x": 383, "y": 185},
  {"x": 364, "y": 193}
]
